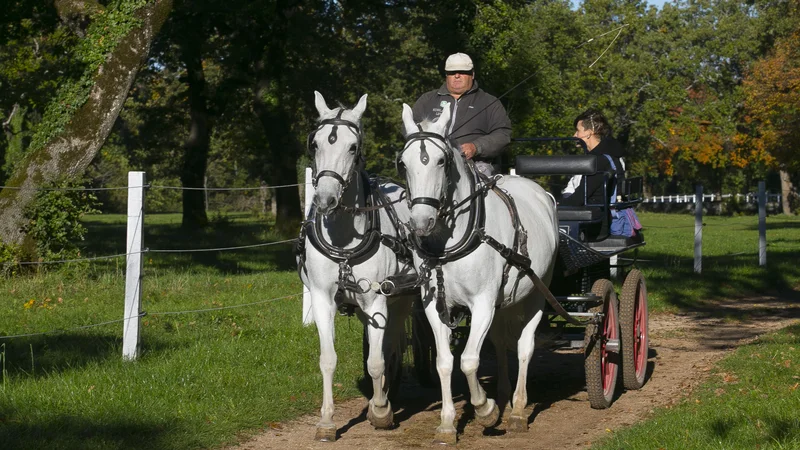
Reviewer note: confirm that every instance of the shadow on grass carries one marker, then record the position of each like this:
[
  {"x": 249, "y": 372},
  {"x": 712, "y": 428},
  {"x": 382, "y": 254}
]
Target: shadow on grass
[
  {"x": 181, "y": 245},
  {"x": 44, "y": 356},
  {"x": 772, "y": 430},
  {"x": 79, "y": 433},
  {"x": 721, "y": 278}
]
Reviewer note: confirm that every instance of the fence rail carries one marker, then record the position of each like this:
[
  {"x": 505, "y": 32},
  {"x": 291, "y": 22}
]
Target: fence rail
[
  {"x": 135, "y": 248},
  {"x": 751, "y": 198}
]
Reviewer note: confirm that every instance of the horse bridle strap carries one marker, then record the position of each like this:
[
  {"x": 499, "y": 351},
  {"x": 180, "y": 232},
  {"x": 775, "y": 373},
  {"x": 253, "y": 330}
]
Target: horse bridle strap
[
  {"x": 424, "y": 158},
  {"x": 332, "y": 138}
]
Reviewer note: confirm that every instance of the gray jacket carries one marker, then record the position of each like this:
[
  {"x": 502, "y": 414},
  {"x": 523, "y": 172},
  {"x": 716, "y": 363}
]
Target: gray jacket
[{"x": 476, "y": 117}]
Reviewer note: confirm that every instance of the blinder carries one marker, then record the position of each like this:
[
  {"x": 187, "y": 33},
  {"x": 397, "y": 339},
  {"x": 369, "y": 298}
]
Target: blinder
[{"x": 311, "y": 146}]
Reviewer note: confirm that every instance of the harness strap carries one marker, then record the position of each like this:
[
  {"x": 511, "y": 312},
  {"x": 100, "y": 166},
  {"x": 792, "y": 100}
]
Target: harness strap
[{"x": 523, "y": 264}]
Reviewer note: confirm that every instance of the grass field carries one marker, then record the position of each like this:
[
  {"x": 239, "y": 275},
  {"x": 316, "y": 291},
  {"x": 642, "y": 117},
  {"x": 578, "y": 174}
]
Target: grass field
[
  {"x": 730, "y": 259},
  {"x": 206, "y": 378}
]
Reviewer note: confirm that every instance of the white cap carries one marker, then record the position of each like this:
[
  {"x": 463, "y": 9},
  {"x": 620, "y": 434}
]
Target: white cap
[{"x": 458, "y": 62}]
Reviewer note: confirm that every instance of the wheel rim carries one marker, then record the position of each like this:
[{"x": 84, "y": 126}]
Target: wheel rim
[
  {"x": 608, "y": 368},
  {"x": 640, "y": 343}
]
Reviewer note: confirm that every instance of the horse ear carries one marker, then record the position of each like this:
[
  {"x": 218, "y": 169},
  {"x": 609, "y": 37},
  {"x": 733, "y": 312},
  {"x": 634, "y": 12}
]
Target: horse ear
[
  {"x": 360, "y": 107},
  {"x": 322, "y": 107},
  {"x": 409, "y": 126},
  {"x": 443, "y": 121}
]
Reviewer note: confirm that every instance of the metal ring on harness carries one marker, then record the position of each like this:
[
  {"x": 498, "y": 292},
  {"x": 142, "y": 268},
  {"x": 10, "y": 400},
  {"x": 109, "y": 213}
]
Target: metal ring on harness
[
  {"x": 364, "y": 290},
  {"x": 383, "y": 290}
]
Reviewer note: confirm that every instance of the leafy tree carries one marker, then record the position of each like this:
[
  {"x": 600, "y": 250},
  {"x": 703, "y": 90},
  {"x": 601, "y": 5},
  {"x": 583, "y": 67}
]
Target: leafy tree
[
  {"x": 772, "y": 93},
  {"x": 76, "y": 123}
]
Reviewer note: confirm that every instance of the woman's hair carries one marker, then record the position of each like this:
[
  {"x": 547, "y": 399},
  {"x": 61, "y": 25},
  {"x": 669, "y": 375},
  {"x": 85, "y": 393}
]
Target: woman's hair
[{"x": 594, "y": 120}]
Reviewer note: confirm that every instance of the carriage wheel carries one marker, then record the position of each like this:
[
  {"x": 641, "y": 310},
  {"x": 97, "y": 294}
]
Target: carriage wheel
[
  {"x": 601, "y": 351},
  {"x": 633, "y": 319},
  {"x": 423, "y": 344}
]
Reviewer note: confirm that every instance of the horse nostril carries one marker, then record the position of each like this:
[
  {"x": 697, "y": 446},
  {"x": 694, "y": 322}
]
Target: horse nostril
[
  {"x": 331, "y": 202},
  {"x": 430, "y": 223}
]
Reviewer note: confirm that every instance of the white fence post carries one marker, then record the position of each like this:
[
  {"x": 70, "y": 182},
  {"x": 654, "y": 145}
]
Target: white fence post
[
  {"x": 698, "y": 230},
  {"x": 308, "y": 314},
  {"x": 133, "y": 275},
  {"x": 762, "y": 224}
]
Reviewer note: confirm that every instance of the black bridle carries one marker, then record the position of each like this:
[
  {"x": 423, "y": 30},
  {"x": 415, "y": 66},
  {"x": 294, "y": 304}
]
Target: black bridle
[
  {"x": 311, "y": 145},
  {"x": 434, "y": 138}
]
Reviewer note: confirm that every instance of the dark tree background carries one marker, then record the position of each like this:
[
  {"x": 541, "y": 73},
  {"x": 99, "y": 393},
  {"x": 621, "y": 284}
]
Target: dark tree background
[{"x": 220, "y": 94}]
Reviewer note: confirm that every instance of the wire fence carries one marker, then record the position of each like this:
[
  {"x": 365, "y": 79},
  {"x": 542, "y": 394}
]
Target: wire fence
[
  {"x": 149, "y": 250},
  {"x": 224, "y": 249}
]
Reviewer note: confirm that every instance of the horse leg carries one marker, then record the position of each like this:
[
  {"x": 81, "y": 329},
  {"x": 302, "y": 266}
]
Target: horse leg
[
  {"x": 497, "y": 335},
  {"x": 324, "y": 312},
  {"x": 379, "y": 412},
  {"x": 446, "y": 431},
  {"x": 518, "y": 421},
  {"x": 486, "y": 411}
]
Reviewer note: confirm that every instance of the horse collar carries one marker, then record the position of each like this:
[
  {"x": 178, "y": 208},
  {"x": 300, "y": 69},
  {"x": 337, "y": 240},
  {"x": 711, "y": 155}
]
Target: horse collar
[
  {"x": 361, "y": 252},
  {"x": 468, "y": 242}
]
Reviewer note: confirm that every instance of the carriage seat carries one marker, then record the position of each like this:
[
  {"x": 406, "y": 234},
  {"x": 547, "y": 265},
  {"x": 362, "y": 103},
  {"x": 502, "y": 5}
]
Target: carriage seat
[
  {"x": 556, "y": 165},
  {"x": 584, "y": 222},
  {"x": 565, "y": 165}
]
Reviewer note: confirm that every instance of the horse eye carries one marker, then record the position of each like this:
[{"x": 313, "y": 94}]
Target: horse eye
[
  {"x": 440, "y": 163},
  {"x": 352, "y": 149}
]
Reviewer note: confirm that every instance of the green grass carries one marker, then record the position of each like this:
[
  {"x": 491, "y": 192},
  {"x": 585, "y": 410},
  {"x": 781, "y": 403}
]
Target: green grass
[
  {"x": 205, "y": 379},
  {"x": 202, "y": 379},
  {"x": 730, "y": 259},
  {"x": 752, "y": 401}
]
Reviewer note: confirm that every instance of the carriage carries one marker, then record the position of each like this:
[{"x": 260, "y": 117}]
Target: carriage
[{"x": 611, "y": 326}]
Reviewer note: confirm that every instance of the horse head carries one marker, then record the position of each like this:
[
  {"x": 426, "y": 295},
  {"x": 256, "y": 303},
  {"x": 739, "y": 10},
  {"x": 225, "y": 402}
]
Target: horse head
[
  {"x": 425, "y": 163},
  {"x": 335, "y": 147}
]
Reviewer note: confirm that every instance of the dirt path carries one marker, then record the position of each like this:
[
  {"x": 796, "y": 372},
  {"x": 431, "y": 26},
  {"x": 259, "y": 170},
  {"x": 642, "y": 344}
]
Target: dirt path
[{"x": 684, "y": 347}]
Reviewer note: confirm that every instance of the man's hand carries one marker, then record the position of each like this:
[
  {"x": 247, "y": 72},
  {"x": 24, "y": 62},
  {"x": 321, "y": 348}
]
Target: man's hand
[{"x": 469, "y": 150}]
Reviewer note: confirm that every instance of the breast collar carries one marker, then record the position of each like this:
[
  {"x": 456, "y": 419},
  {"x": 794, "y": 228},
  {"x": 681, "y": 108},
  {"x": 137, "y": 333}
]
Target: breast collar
[
  {"x": 471, "y": 239},
  {"x": 364, "y": 249}
]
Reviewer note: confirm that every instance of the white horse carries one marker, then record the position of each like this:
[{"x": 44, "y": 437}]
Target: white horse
[
  {"x": 345, "y": 254},
  {"x": 459, "y": 232}
]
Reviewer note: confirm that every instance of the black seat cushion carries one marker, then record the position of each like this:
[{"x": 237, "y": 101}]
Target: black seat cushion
[{"x": 579, "y": 213}]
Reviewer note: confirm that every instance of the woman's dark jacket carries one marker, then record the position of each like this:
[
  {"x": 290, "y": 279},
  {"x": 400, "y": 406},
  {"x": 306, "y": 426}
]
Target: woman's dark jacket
[{"x": 594, "y": 189}]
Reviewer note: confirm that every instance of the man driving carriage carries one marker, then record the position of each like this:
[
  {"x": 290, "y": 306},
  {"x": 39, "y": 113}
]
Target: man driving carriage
[{"x": 479, "y": 122}]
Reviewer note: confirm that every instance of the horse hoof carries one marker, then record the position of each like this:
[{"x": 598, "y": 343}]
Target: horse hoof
[
  {"x": 517, "y": 424},
  {"x": 381, "y": 422},
  {"x": 490, "y": 414},
  {"x": 445, "y": 438},
  {"x": 326, "y": 434}
]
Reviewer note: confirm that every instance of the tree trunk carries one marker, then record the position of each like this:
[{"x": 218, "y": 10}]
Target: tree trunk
[
  {"x": 284, "y": 152},
  {"x": 198, "y": 142},
  {"x": 276, "y": 120},
  {"x": 69, "y": 153},
  {"x": 786, "y": 191}
]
